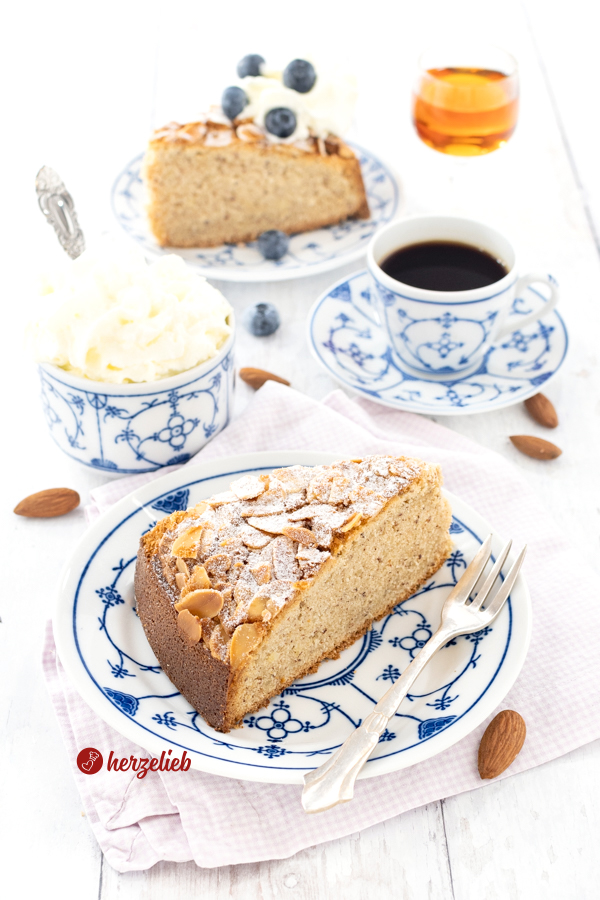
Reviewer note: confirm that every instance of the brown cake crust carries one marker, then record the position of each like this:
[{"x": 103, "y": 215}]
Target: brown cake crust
[
  {"x": 210, "y": 183},
  {"x": 201, "y": 678}
]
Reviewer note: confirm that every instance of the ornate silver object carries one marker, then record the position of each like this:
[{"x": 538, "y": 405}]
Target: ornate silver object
[
  {"x": 333, "y": 782},
  {"x": 57, "y": 205}
]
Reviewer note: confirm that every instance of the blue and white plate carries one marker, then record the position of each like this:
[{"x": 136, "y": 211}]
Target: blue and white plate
[
  {"x": 104, "y": 649},
  {"x": 310, "y": 252},
  {"x": 346, "y": 337}
]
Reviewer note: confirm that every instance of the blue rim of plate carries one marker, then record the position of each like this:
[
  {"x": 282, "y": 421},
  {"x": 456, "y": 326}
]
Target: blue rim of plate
[
  {"x": 348, "y": 303},
  {"x": 308, "y": 253},
  {"x": 97, "y": 695}
]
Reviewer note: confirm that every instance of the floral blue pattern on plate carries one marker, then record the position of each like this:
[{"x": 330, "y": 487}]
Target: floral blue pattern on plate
[
  {"x": 102, "y": 645},
  {"x": 309, "y": 253},
  {"x": 345, "y": 336}
]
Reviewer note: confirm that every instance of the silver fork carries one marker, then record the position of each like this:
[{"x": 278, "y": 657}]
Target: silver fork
[{"x": 333, "y": 782}]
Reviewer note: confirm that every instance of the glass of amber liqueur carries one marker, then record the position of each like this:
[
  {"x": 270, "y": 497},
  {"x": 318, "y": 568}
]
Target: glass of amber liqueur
[{"x": 466, "y": 99}]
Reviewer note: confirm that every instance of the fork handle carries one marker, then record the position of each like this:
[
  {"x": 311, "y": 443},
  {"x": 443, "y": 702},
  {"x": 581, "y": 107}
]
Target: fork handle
[{"x": 333, "y": 781}]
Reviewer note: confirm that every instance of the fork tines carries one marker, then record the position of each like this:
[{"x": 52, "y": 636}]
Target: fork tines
[{"x": 479, "y": 563}]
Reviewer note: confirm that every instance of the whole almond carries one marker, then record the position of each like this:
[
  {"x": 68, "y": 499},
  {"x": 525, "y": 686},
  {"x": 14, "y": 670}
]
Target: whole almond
[
  {"x": 535, "y": 447},
  {"x": 542, "y": 410},
  {"x": 257, "y": 377},
  {"x": 501, "y": 743},
  {"x": 47, "y": 504}
]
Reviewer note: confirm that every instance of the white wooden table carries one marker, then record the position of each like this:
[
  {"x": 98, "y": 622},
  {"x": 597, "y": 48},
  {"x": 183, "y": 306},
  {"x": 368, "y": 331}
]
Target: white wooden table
[{"x": 83, "y": 85}]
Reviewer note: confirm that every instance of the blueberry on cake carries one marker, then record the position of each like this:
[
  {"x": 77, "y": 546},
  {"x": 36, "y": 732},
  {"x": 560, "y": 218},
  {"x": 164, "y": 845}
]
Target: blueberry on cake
[
  {"x": 251, "y": 589},
  {"x": 269, "y": 158}
]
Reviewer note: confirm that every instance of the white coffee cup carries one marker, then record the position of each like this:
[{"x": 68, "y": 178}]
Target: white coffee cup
[{"x": 447, "y": 333}]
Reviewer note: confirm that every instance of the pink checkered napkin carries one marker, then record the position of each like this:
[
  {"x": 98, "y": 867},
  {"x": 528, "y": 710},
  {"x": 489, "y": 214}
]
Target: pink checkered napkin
[{"x": 218, "y": 821}]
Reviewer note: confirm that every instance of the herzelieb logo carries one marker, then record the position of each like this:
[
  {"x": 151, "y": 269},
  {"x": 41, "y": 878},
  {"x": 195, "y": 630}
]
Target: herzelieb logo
[{"x": 89, "y": 761}]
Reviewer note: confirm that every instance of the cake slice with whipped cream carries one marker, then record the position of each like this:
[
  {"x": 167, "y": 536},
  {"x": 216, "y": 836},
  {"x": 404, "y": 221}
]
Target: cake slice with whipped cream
[
  {"x": 251, "y": 589},
  {"x": 271, "y": 157}
]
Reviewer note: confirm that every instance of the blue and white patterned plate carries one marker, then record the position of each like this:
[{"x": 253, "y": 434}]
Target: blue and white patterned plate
[
  {"x": 310, "y": 252},
  {"x": 103, "y": 647},
  {"x": 345, "y": 336}
]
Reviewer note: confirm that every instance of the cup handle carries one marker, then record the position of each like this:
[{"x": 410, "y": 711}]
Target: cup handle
[{"x": 549, "y": 304}]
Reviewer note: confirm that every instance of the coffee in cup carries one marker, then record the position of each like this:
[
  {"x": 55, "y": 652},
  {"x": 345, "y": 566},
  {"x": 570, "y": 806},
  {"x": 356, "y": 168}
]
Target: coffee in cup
[{"x": 444, "y": 288}]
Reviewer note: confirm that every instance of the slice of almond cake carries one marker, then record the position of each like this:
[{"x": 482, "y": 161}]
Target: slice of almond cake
[{"x": 251, "y": 589}]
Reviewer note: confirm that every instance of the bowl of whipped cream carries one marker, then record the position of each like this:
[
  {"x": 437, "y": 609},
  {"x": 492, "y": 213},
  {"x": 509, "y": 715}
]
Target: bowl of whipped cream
[{"x": 135, "y": 359}]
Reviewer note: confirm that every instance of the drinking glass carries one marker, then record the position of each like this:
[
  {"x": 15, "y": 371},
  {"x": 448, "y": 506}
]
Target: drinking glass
[{"x": 466, "y": 99}]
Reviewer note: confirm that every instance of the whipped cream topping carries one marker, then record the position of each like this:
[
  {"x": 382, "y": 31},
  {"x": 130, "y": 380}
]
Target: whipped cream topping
[
  {"x": 110, "y": 316},
  {"x": 328, "y": 108}
]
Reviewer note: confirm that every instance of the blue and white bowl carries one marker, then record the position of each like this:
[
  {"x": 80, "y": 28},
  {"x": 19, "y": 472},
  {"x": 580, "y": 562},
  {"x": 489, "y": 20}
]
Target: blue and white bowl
[{"x": 130, "y": 428}]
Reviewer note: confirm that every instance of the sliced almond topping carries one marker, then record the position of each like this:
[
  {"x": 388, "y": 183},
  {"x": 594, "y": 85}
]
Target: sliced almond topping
[
  {"x": 323, "y": 533},
  {"x": 256, "y": 609},
  {"x": 204, "y": 603},
  {"x": 218, "y": 565},
  {"x": 272, "y": 524},
  {"x": 249, "y": 133},
  {"x": 248, "y": 487},
  {"x": 182, "y": 566},
  {"x": 181, "y": 580},
  {"x": 220, "y": 499},
  {"x": 186, "y": 544},
  {"x": 218, "y": 643},
  {"x": 271, "y": 611},
  {"x": 198, "y": 581},
  {"x": 235, "y": 572},
  {"x": 340, "y": 487},
  {"x": 200, "y": 507},
  {"x": 245, "y": 639},
  {"x": 311, "y": 560},
  {"x": 190, "y": 626},
  {"x": 351, "y": 523},
  {"x": 242, "y": 593},
  {"x": 300, "y": 534},
  {"x": 207, "y": 540},
  {"x": 262, "y": 573},
  {"x": 218, "y": 138},
  {"x": 254, "y": 539},
  {"x": 320, "y": 487},
  {"x": 270, "y": 503},
  {"x": 285, "y": 567}
]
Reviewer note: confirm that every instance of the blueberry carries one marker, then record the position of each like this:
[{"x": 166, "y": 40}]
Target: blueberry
[
  {"x": 250, "y": 65},
  {"x": 299, "y": 75},
  {"x": 280, "y": 121},
  {"x": 261, "y": 319},
  {"x": 273, "y": 244},
  {"x": 233, "y": 101}
]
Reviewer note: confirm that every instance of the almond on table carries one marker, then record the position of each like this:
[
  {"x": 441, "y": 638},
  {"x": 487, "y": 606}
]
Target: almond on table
[
  {"x": 535, "y": 447},
  {"x": 501, "y": 743},
  {"x": 542, "y": 410},
  {"x": 257, "y": 377},
  {"x": 48, "y": 504}
]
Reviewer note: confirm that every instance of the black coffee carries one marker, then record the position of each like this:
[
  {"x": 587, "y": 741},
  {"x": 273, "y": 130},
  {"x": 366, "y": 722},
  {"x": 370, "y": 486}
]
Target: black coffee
[{"x": 443, "y": 266}]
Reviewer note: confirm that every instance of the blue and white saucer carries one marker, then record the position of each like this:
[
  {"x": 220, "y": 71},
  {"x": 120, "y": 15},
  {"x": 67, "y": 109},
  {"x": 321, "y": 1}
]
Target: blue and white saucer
[
  {"x": 310, "y": 252},
  {"x": 345, "y": 336},
  {"x": 102, "y": 645}
]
